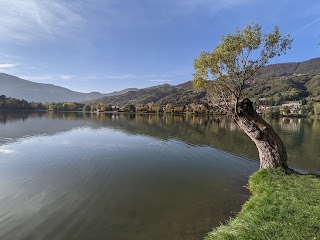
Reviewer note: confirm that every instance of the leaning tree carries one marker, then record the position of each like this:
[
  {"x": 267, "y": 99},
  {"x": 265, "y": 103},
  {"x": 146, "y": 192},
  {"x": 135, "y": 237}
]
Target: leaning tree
[{"x": 226, "y": 71}]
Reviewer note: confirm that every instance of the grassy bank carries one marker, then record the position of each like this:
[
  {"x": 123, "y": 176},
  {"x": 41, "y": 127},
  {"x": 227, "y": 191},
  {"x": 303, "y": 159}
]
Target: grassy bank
[{"x": 281, "y": 207}]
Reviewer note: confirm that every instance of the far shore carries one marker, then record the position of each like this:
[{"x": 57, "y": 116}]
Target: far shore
[{"x": 159, "y": 113}]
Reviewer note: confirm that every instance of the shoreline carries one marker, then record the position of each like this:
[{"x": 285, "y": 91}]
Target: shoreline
[
  {"x": 281, "y": 206},
  {"x": 160, "y": 113}
]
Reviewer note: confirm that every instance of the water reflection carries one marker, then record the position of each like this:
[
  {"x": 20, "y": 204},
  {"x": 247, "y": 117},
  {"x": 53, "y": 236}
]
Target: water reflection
[
  {"x": 301, "y": 136},
  {"x": 90, "y": 178},
  {"x": 122, "y": 176}
]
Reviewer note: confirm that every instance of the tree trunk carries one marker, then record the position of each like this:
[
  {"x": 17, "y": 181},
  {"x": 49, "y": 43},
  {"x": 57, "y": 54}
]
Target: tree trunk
[{"x": 272, "y": 152}]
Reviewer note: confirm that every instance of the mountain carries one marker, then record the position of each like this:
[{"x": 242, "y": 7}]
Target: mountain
[
  {"x": 287, "y": 82},
  {"x": 280, "y": 82},
  {"x": 121, "y": 92},
  {"x": 309, "y": 67},
  {"x": 182, "y": 94},
  {"x": 15, "y": 87}
]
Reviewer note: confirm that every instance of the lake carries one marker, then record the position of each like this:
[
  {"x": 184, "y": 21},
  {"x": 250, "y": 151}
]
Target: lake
[{"x": 121, "y": 176}]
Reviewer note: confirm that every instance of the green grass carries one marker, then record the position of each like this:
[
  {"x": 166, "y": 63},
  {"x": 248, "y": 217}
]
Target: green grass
[{"x": 282, "y": 206}]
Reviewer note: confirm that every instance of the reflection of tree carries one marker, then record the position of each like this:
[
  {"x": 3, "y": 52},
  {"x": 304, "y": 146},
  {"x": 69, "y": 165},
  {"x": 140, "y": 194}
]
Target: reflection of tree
[
  {"x": 301, "y": 136},
  {"x": 8, "y": 117},
  {"x": 69, "y": 116},
  {"x": 290, "y": 124},
  {"x": 199, "y": 130}
]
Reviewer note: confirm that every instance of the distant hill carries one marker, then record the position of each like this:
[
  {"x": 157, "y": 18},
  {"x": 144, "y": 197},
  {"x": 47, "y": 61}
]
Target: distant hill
[
  {"x": 287, "y": 81},
  {"x": 15, "y": 87},
  {"x": 182, "y": 94},
  {"x": 309, "y": 67},
  {"x": 121, "y": 92},
  {"x": 279, "y": 82},
  {"x": 284, "y": 81}
]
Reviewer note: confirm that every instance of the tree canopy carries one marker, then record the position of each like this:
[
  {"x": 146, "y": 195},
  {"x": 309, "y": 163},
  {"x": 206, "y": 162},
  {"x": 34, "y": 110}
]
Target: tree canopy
[{"x": 225, "y": 71}]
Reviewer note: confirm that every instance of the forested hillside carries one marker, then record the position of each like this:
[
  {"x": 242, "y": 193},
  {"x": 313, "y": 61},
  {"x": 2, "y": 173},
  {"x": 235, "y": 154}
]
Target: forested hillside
[
  {"x": 182, "y": 94},
  {"x": 287, "y": 82},
  {"x": 273, "y": 84}
]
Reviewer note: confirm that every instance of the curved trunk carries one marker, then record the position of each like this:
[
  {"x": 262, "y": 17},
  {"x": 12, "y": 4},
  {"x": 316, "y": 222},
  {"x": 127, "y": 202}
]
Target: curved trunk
[{"x": 272, "y": 152}]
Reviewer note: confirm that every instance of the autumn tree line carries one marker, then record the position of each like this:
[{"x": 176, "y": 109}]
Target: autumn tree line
[
  {"x": 151, "y": 108},
  {"x": 8, "y": 103},
  {"x": 263, "y": 107}
]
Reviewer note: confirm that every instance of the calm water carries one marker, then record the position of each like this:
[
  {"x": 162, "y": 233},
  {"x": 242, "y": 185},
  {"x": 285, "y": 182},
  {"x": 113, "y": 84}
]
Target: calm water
[{"x": 89, "y": 176}]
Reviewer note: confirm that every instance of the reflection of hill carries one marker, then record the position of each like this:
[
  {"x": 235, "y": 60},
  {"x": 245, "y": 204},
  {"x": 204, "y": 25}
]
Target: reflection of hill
[
  {"x": 197, "y": 130},
  {"x": 20, "y": 124},
  {"x": 301, "y": 136}
]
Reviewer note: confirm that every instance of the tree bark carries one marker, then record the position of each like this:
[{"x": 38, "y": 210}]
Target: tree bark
[{"x": 272, "y": 152}]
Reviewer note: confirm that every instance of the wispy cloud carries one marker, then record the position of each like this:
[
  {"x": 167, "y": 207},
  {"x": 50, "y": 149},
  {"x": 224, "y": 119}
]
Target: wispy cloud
[
  {"x": 66, "y": 77},
  {"x": 48, "y": 78},
  {"x": 8, "y": 62},
  {"x": 7, "y": 65},
  {"x": 119, "y": 76},
  {"x": 214, "y": 6},
  {"x": 51, "y": 78},
  {"x": 25, "y": 20},
  {"x": 218, "y": 3},
  {"x": 38, "y": 78},
  {"x": 159, "y": 80},
  {"x": 165, "y": 77},
  {"x": 125, "y": 76},
  {"x": 28, "y": 19},
  {"x": 307, "y": 25}
]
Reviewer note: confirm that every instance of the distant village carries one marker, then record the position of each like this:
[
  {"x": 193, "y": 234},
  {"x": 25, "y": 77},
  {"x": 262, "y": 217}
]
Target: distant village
[{"x": 286, "y": 108}]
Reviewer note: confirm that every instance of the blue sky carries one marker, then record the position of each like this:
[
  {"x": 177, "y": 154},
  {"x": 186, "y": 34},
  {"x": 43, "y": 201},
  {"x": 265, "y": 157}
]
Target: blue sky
[{"x": 108, "y": 45}]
